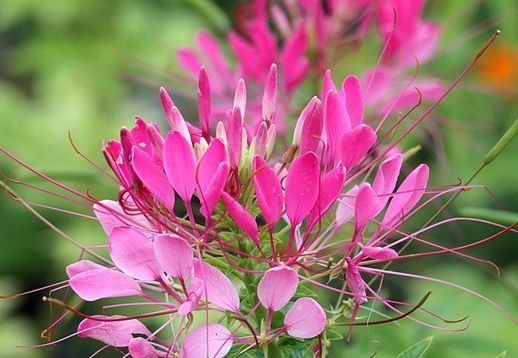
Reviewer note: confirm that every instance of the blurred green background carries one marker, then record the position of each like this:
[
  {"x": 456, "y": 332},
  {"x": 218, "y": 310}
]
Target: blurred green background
[{"x": 89, "y": 66}]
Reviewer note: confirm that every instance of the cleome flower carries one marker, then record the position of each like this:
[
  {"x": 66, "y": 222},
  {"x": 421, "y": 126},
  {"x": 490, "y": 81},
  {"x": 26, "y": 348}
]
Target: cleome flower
[
  {"x": 230, "y": 244},
  {"x": 304, "y": 38}
]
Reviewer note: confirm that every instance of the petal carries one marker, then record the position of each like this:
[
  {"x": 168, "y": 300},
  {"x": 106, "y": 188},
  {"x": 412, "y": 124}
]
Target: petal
[
  {"x": 82, "y": 266},
  {"x": 345, "y": 209},
  {"x": 153, "y": 177},
  {"x": 330, "y": 188},
  {"x": 141, "y": 348},
  {"x": 336, "y": 120},
  {"x": 355, "y": 282},
  {"x": 209, "y": 198},
  {"x": 104, "y": 283},
  {"x": 312, "y": 127},
  {"x": 189, "y": 61},
  {"x": 407, "y": 195},
  {"x": 208, "y": 340},
  {"x": 268, "y": 191},
  {"x": 305, "y": 319},
  {"x": 174, "y": 255},
  {"x": 212, "y": 50},
  {"x": 355, "y": 144},
  {"x": 302, "y": 184},
  {"x": 180, "y": 165},
  {"x": 293, "y": 60},
  {"x": 354, "y": 100},
  {"x": 379, "y": 253},
  {"x": 115, "y": 333},
  {"x": 213, "y": 156},
  {"x": 242, "y": 217},
  {"x": 217, "y": 287},
  {"x": 277, "y": 287},
  {"x": 240, "y": 97},
  {"x": 366, "y": 207},
  {"x": 204, "y": 101},
  {"x": 270, "y": 94},
  {"x": 132, "y": 252},
  {"x": 327, "y": 85},
  {"x": 386, "y": 177},
  {"x": 234, "y": 132},
  {"x": 110, "y": 214}
]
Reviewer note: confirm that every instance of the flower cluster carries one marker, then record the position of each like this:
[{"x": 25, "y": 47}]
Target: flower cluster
[
  {"x": 308, "y": 37},
  {"x": 242, "y": 224},
  {"x": 236, "y": 243}
]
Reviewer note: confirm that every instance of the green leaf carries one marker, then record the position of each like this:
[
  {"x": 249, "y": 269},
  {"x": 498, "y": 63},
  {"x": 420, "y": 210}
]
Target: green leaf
[
  {"x": 502, "y": 355},
  {"x": 417, "y": 350},
  {"x": 333, "y": 335}
]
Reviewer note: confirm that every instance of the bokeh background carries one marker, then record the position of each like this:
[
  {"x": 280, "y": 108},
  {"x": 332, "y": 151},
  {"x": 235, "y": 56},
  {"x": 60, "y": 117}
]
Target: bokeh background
[{"x": 88, "y": 66}]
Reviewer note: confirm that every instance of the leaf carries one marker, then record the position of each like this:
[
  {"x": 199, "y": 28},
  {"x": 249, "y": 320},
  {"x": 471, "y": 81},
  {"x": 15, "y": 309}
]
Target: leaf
[
  {"x": 417, "y": 350},
  {"x": 333, "y": 335},
  {"x": 502, "y": 355}
]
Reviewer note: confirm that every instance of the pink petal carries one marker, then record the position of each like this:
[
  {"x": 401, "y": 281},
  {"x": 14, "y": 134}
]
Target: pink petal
[
  {"x": 209, "y": 45},
  {"x": 115, "y": 333},
  {"x": 174, "y": 255},
  {"x": 386, "y": 177},
  {"x": 189, "y": 61},
  {"x": 180, "y": 165},
  {"x": 110, "y": 214},
  {"x": 355, "y": 282},
  {"x": 207, "y": 341},
  {"x": 268, "y": 191},
  {"x": 354, "y": 100},
  {"x": 305, "y": 319},
  {"x": 213, "y": 156},
  {"x": 234, "y": 132},
  {"x": 293, "y": 60},
  {"x": 277, "y": 287},
  {"x": 355, "y": 144},
  {"x": 379, "y": 253},
  {"x": 336, "y": 120},
  {"x": 179, "y": 124},
  {"x": 209, "y": 198},
  {"x": 104, "y": 283},
  {"x": 217, "y": 287},
  {"x": 153, "y": 177},
  {"x": 407, "y": 195},
  {"x": 132, "y": 252},
  {"x": 140, "y": 136},
  {"x": 328, "y": 85},
  {"x": 245, "y": 54},
  {"x": 157, "y": 142},
  {"x": 204, "y": 101},
  {"x": 345, "y": 210},
  {"x": 242, "y": 217},
  {"x": 302, "y": 184},
  {"x": 270, "y": 94},
  {"x": 367, "y": 206},
  {"x": 82, "y": 266},
  {"x": 142, "y": 348},
  {"x": 330, "y": 188},
  {"x": 312, "y": 127},
  {"x": 259, "y": 142},
  {"x": 240, "y": 97},
  {"x": 167, "y": 104},
  {"x": 306, "y": 113}
]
